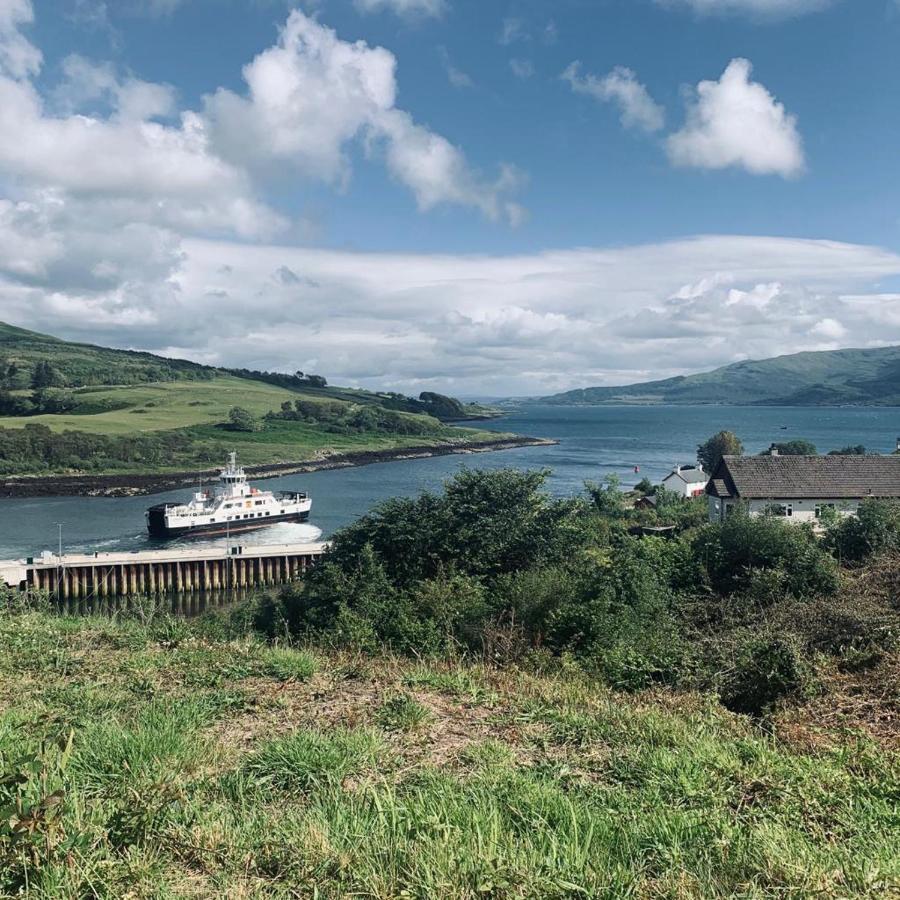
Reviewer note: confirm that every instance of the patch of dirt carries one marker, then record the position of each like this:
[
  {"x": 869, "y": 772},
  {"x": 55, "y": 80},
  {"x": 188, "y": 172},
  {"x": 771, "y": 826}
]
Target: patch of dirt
[{"x": 324, "y": 702}]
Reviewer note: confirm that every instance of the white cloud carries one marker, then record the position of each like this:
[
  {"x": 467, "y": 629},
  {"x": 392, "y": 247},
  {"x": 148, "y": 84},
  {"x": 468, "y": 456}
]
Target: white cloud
[
  {"x": 760, "y": 9},
  {"x": 405, "y": 8},
  {"x": 522, "y": 68},
  {"x": 132, "y": 99},
  {"x": 513, "y": 30},
  {"x": 313, "y": 94},
  {"x": 455, "y": 76},
  {"x": 19, "y": 58},
  {"x": 736, "y": 122},
  {"x": 637, "y": 108},
  {"x": 471, "y": 324}
]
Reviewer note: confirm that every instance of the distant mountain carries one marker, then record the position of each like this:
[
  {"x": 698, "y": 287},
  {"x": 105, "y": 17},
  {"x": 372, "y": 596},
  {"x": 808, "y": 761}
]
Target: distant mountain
[{"x": 825, "y": 378}]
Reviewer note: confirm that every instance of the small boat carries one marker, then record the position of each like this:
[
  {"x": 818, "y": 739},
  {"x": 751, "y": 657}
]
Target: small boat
[{"x": 235, "y": 506}]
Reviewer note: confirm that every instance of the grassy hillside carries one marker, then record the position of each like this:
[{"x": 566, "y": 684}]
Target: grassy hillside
[
  {"x": 827, "y": 378},
  {"x": 102, "y": 410},
  {"x": 486, "y": 693},
  {"x": 85, "y": 364},
  {"x": 189, "y": 760}
]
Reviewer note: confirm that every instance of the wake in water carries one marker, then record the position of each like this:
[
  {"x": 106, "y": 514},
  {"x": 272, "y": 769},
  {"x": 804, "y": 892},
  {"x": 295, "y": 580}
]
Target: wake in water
[{"x": 281, "y": 533}]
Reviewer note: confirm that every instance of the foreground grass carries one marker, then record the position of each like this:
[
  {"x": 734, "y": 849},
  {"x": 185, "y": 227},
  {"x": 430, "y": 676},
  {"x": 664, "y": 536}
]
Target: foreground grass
[{"x": 161, "y": 762}]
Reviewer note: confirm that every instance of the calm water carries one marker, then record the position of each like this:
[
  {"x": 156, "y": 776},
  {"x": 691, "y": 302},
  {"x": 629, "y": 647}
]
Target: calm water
[{"x": 594, "y": 442}]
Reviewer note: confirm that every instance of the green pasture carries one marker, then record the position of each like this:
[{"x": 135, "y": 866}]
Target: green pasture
[{"x": 163, "y": 406}]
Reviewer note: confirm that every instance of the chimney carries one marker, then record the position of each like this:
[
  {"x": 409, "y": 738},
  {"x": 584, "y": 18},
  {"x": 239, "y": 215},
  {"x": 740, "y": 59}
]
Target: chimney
[
  {"x": 773, "y": 451},
  {"x": 898, "y": 444}
]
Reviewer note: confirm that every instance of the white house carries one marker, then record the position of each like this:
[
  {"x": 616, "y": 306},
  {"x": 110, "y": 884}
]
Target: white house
[
  {"x": 800, "y": 488},
  {"x": 686, "y": 481}
]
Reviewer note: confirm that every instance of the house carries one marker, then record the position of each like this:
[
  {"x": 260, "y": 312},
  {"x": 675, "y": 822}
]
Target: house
[
  {"x": 800, "y": 488},
  {"x": 686, "y": 481},
  {"x": 646, "y": 502}
]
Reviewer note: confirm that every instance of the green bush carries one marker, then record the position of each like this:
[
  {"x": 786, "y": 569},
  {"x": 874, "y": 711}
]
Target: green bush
[
  {"x": 875, "y": 528},
  {"x": 766, "y": 669},
  {"x": 733, "y": 552}
]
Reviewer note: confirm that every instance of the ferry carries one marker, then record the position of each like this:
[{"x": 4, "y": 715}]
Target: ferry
[{"x": 235, "y": 506}]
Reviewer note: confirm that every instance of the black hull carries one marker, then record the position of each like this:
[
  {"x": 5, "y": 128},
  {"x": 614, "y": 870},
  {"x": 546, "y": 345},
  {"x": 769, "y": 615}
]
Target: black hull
[{"x": 159, "y": 530}]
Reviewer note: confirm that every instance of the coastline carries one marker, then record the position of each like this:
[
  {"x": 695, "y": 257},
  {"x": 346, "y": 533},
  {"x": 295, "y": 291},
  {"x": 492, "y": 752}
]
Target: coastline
[{"x": 131, "y": 485}]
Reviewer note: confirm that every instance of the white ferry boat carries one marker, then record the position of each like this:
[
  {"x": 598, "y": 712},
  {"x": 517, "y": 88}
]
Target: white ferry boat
[{"x": 235, "y": 506}]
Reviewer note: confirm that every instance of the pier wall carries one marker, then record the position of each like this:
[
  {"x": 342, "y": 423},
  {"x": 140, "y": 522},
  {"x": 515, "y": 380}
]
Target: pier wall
[{"x": 148, "y": 572}]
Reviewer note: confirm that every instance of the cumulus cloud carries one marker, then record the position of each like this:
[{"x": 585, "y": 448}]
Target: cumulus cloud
[
  {"x": 471, "y": 324},
  {"x": 313, "y": 94},
  {"x": 759, "y": 9},
  {"x": 86, "y": 82},
  {"x": 19, "y": 58},
  {"x": 736, "y": 122},
  {"x": 637, "y": 108},
  {"x": 405, "y": 8}
]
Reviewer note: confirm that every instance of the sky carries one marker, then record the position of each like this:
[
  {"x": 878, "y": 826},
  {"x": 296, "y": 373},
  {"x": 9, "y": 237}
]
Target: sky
[{"x": 481, "y": 197}]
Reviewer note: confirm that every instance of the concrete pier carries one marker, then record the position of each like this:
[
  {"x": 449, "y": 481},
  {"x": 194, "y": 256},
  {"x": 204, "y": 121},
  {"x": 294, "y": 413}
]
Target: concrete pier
[{"x": 77, "y": 577}]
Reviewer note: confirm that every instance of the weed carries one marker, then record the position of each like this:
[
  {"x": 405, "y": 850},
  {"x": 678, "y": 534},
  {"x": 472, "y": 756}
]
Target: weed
[
  {"x": 401, "y": 712},
  {"x": 309, "y": 759},
  {"x": 288, "y": 665}
]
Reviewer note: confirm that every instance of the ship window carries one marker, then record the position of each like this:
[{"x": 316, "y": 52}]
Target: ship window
[
  {"x": 268, "y": 514},
  {"x": 260, "y": 502}
]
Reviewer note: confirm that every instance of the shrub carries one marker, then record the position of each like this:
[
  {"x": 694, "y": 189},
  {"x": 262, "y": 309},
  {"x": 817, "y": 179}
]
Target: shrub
[
  {"x": 875, "y": 528},
  {"x": 734, "y": 551},
  {"x": 239, "y": 419},
  {"x": 766, "y": 669}
]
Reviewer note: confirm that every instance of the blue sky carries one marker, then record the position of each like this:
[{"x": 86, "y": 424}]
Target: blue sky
[{"x": 481, "y": 197}]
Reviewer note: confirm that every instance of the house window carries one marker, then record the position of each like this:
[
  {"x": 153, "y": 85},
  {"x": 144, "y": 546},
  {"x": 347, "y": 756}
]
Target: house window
[
  {"x": 821, "y": 507},
  {"x": 783, "y": 510}
]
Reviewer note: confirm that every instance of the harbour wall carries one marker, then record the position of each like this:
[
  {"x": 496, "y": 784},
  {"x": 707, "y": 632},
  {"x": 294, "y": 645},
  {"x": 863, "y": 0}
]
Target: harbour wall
[{"x": 85, "y": 580}]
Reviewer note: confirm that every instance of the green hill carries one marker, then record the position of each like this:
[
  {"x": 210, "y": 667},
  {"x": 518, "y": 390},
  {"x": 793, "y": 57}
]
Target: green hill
[
  {"x": 825, "y": 378},
  {"x": 72, "y": 407}
]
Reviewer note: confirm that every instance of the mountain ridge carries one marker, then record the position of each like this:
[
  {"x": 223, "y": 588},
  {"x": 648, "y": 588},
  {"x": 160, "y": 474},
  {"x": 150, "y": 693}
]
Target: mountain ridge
[{"x": 847, "y": 377}]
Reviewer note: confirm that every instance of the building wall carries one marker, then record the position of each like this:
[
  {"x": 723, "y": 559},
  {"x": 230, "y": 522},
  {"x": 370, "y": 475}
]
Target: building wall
[
  {"x": 676, "y": 484},
  {"x": 800, "y": 510}
]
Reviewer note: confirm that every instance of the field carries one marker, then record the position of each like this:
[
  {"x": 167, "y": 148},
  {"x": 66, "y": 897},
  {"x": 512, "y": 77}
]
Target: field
[
  {"x": 163, "y": 406},
  {"x": 108, "y": 411},
  {"x": 197, "y": 411},
  {"x": 186, "y": 759}
]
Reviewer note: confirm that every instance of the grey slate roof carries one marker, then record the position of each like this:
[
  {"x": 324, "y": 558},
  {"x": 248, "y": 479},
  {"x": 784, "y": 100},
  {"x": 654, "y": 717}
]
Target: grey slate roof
[
  {"x": 812, "y": 477},
  {"x": 689, "y": 475}
]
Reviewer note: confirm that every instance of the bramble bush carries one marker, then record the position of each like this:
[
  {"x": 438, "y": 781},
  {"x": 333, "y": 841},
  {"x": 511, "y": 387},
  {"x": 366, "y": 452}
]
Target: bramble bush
[{"x": 495, "y": 567}]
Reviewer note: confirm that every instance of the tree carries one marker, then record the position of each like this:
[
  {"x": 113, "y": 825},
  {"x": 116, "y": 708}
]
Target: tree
[
  {"x": 241, "y": 420},
  {"x": 856, "y": 450},
  {"x": 607, "y": 497},
  {"x": 45, "y": 376},
  {"x": 646, "y": 487},
  {"x": 725, "y": 443},
  {"x": 799, "y": 447}
]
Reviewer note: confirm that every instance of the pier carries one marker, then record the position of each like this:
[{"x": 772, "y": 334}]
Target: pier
[{"x": 98, "y": 576}]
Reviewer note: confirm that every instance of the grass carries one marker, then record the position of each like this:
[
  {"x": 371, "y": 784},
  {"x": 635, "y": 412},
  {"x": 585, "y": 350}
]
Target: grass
[
  {"x": 163, "y": 406},
  {"x": 212, "y": 766},
  {"x": 199, "y": 408}
]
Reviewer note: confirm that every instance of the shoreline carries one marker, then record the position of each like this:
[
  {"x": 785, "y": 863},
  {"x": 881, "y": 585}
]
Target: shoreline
[{"x": 132, "y": 485}]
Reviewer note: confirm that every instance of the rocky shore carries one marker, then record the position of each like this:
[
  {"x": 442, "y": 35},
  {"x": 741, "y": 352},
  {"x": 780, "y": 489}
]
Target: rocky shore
[{"x": 127, "y": 485}]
